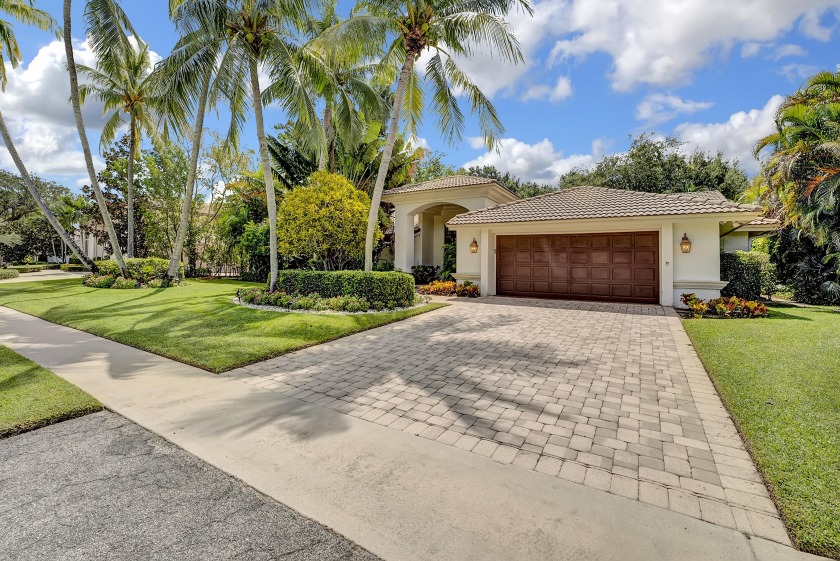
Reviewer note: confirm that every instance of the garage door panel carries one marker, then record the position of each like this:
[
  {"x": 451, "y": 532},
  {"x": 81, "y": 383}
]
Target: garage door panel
[{"x": 621, "y": 266}]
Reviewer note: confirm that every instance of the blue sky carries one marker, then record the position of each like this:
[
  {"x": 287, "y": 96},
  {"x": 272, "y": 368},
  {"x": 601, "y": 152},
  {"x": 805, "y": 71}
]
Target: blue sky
[{"x": 710, "y": 72}]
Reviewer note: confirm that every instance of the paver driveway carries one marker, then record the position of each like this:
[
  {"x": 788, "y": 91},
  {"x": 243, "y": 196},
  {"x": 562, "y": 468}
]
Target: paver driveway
[{"x": 611, "y": 396}]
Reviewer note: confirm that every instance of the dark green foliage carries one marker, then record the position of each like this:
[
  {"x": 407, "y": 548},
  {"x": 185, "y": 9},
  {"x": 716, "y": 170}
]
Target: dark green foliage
[
  {"x": 751, "y": 275},
  {"x": 805, "y": 267},
  {"x": 98, "y": 281},
  {"x": 449, "y": 260},
  {"x": 72, "y": 267},
  {"x": 9, "y": 274},
  {"x": 522, "y": 189},
  {"x": 659, "y": 166},
  {"x": 424, "y": 274},
  {"x": 124, "y": 283},
  {"x": 390, "y": 290},
  {"x": 383, "y": 266}
]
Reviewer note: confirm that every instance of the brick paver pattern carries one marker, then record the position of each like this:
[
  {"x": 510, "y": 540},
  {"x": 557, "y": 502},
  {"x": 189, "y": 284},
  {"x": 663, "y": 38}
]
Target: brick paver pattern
[{"x": 612, "y": 396}]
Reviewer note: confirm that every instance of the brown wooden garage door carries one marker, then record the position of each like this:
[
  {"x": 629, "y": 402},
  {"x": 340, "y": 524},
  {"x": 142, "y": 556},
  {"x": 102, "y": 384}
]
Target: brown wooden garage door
[{"x": 622, "y": 267}]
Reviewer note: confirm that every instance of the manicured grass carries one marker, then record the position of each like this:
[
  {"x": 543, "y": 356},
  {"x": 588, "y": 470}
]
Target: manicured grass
[
  {"x": 780, "y": 378},
  {"x": 33, "y": 397},
  {"x": 197, "y": 323}
]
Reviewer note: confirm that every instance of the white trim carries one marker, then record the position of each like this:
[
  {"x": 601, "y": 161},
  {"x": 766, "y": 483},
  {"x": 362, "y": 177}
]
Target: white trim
[
  {"x": 604, "y": 224},
  {"x": 472, "y": 277},
  {"x": 701, "y": 285}
]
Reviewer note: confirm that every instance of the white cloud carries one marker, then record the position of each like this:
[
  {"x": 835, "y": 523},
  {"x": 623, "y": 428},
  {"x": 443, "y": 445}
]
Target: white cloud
[
  {"x": 735, "y": 137},
  {"x": 751, "y": 49},
  {"x": 493, "y": 75},
  {"x": 419, "y": 142},
  {"x": 560, "y": 91},
  {"x": 784, "y": 51},
  {"x": 662, "y": 42},
  {"x": 538, "y": 162},
  {"x": 36, "y": 106},
  {"x": 660, "y": 108},
  {"x": 797, "y": 73},
  {"x": 812, "y": 27}
]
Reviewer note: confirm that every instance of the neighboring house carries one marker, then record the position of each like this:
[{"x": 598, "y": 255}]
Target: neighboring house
[{"x": 590, "y": 243}]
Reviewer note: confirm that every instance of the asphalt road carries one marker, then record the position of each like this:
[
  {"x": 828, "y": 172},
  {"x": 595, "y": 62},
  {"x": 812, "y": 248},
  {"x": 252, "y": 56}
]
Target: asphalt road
[{"x": 102, "y": 487}]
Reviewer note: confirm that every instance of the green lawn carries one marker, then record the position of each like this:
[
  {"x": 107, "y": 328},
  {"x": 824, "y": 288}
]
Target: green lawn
[
  {"x": 197, "y": 323},
  {"x": 780, "y": 378},
  {"x": 32, "y": 397}
]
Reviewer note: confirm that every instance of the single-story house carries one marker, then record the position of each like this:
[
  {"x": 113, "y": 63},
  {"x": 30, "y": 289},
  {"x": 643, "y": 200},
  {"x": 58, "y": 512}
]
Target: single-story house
[{"x": 583, "y": 243}]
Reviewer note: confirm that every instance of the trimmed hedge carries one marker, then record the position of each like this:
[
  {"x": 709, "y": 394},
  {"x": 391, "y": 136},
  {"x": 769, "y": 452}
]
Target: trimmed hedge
[
  {"x": 750, "y": 274},
  {"x": 73, "y": 267},
  {"x": 34, "y": 268},
  {"x": 9, "y": 274},
  {"x": 141, "y": 269},
  {"x": 386, "y": 289}
]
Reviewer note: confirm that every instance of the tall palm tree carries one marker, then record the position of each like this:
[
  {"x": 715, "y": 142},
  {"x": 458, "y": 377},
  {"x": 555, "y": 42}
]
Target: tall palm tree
[
  {"x": 108, "y": 29},
  {"x": 125, "y": 86},
  {"x": 25, "y": 12},
  {"x": 447, "y": 29},
  {"x": 257, "y": 33}
]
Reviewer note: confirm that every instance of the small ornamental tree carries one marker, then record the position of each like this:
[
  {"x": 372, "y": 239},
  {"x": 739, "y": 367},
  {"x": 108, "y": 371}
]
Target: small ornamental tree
[{"x": 324, "y": 223}]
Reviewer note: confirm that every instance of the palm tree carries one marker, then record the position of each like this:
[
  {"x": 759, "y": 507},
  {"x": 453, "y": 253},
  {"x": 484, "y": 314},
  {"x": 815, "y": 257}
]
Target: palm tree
[
  {"x": 125, "y": 86},
  {"x": 257, "y": 33},
  {"x": 446, "y": 28},
  {"x": 25, "y": 12},
  {"x": 107, "y": 29}
]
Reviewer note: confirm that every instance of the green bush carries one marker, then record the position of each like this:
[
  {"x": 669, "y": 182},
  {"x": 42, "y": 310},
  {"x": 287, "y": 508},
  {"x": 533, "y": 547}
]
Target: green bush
[
  {"x": 424, "y": 274},
  {"x": 124, "y": 283},
  {"x": 72, "y": 267},
  {"x": 9, "y": 274},
  {"x": 141, "y": 269},
  {"x": 380, "y": 289},
  {"x": 262, "y": 297},
  {"x": 34, "y": 268},
  {"x": 98, "y": 281},
  {"x": 751, "y": 275}
]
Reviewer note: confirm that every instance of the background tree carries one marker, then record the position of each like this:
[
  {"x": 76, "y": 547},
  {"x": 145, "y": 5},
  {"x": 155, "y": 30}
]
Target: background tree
[
  {"x": 447, "y": 28},
  {"x": 26, "y": 13},
  {"x": 324, "y": 222},
  {"x": 657, "y": 165},
  {"x": 522, "y": 189},
  {"x": 123, "y": 83}
]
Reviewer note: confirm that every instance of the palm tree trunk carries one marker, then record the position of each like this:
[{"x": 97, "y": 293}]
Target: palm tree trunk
[
  {"x": 129, "y": 197},
  {"x": 322, "y": 159},
  {"x": 30, "y": 186},
  {"x": 186, "y": 207},
  {"x": 80, "y": 125},
  {"x": 269, "y": 179},
  {"x": 376, "y": 197}
]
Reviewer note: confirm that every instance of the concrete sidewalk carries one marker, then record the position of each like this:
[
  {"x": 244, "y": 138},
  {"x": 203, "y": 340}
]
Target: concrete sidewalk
[{"x": 397, "y": 495}]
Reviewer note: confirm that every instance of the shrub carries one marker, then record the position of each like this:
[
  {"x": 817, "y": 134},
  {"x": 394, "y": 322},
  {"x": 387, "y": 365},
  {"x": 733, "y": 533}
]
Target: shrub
[
  {"x": 140, "y": 269},
  {"x": 383, "y": 265},
  {"x": 750, "y": 274},
  {"x": 253, "y": 276},
  {"x": 468, "y": 289},
  {"x": 324, "y": 222},
  {"x": 261, "y": 297},
  {"x": 124, "y": 283},
  {"x": 723, "y": 307},
  {"x": 438, "y": 288},
  {"x": 157, "y": 283},
  {"x": 392, "y": 290},
  {"x": 9, "y": 274},
  {"x": 36, "y": 267},
  {"x": 424, "y": 274},
  {"x": 72, "y": 267},
  {"x": 98, "y": 281}
]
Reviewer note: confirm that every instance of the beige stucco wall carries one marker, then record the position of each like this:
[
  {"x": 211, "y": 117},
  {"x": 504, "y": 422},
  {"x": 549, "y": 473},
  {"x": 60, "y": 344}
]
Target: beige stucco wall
[{"x": 735, "y": 241}]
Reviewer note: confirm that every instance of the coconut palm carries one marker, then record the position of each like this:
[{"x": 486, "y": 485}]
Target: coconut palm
[
  {"x": 125, "y": 87},
  {"x": 443, "y": 29},
  {"x": 108, "y": 30},
  {"x": 25, "y": 12},
  {"x": 346, "y": 88},
  {"x": 257, "y": 34}
]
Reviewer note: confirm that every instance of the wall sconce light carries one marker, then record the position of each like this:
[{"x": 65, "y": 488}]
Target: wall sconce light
[
  {"x": 474, "y": 246},
  {"x": 685, "y": 244}
]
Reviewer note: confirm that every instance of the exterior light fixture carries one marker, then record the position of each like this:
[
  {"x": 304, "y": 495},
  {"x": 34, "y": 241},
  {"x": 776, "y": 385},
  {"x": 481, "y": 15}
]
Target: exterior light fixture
[
  {"x": 474, "y": 246},
  {"x": 685, "y": 244}
]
